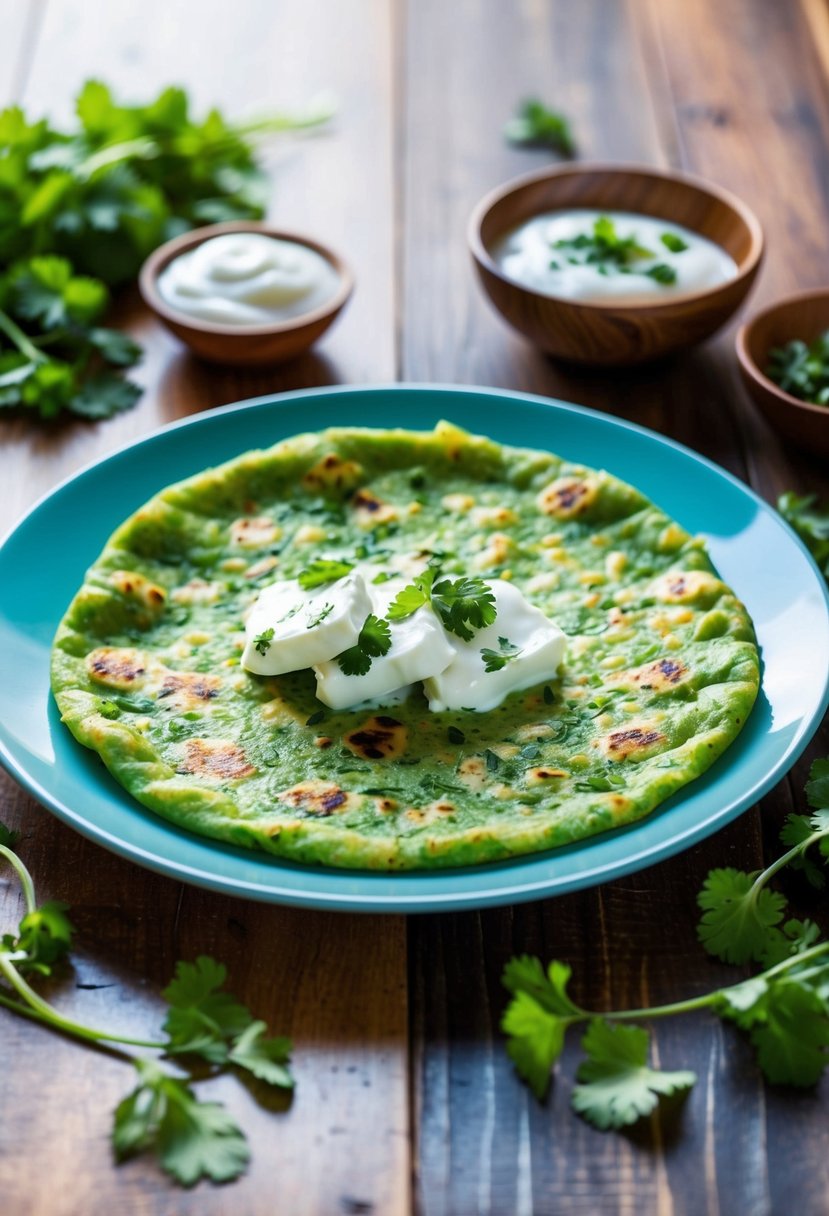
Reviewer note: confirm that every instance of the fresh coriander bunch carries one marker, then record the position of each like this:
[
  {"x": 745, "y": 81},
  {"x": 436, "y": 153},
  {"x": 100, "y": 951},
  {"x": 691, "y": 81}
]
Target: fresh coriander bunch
[
  {"x": 783, "y": 1008},
  {"x": 55, "y": 356},
  {"x": 127, "y": 178}
]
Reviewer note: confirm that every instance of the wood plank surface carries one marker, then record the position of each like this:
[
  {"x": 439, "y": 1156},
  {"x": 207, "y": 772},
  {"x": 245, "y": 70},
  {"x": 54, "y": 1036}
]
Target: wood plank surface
[
  {"x": 665, "y": 83},
  {"x": 406, "y": 1099},
  {"x": 337, "y": 985}
]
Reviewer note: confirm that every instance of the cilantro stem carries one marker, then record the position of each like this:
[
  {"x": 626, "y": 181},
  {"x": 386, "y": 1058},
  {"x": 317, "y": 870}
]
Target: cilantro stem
[
  {"x": 26, "y": 882},
  {"x": 16, "y": 335},
  {"x": 762, "y": 879},
  {"x": 711, "y": 998},
  {"x": 50, "y": 1015}
]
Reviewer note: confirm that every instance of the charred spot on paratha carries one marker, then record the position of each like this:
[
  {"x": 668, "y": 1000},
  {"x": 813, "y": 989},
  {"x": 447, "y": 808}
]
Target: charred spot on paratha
[
  {"x": 632, "y": 741},
  {"x": 379, "y": 738},
  {"x": 119, "y": 667},
  {"x": 215, "y": 759},
  {"x": 567, "y": 497}
]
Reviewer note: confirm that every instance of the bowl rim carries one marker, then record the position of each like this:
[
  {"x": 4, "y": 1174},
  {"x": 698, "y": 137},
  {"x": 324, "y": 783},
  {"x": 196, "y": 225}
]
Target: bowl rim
[
  {"x": 752, "y": 369},
  {"x": 161, "y": 257},
  {"x": 745, "y": 270}
]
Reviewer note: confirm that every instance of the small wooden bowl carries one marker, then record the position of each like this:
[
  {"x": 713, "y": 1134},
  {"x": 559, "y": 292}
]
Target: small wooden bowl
[
  {"x": 613, "y": 333},
  {"x": 805, "y": 316},
  {"x": 243, "y": 344}
]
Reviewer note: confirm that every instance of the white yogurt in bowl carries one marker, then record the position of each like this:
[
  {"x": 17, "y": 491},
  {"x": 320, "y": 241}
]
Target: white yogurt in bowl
[
  {"x": 598, "y": 257},
  {"x": 247, "y": 278}
]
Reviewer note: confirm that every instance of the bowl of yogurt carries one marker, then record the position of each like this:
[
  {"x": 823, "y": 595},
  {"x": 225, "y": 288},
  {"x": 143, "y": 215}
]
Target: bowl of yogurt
[
  {"x": 614, "y": 264},
  {"x": 246, "y": 292}
]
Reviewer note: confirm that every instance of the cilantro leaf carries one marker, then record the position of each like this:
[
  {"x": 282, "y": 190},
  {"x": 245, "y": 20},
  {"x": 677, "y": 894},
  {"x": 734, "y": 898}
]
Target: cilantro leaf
[
  {"x": 45, "y": 935},
  {"x": 495, "y": 660},
  {"x": 323, "y": 571},
  {"x": 792, "y": 1034},
  {"x": 817, "y": 789},
  {"x": 464, "y": 605},
  {"x": 661, "y": 273},
  {"x": 739, "y": 921},
  {"x": 8, "y": 838},
  {"x": 796, "y": 831},
  {"x": 201, "y": 1019},
  {"x": 674, "y": 242},
  {"x": 537, "y": 125},
  {"x": 616, "y": 1085},
  {"x": 526, "y": 974},
  {"x": 103, "y": 395},
  {"x": 537, "y": 1018},
  {"x": 414, "y": 596},
  {"x": 115, "y": 347},
  {"x": 191, "y": 1139},
  {"x": 262, "y": 641},
  {"x": 265, "y": 1058},
  {"x": 324, "y": 612},
  {"x": 374, "y": 641},
  {"x": 536, "y": 1039}
]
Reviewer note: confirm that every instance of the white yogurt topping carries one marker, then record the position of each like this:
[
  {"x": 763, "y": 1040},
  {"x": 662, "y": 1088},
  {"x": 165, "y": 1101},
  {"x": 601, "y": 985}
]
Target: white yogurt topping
[
  {"x": 247, "y": 278},
  {"x": 530, "y": 644},
  {"x": 289, "y": 629},
  {"x": 531, "y": 255},
  {"x": 307, "y": 627}
]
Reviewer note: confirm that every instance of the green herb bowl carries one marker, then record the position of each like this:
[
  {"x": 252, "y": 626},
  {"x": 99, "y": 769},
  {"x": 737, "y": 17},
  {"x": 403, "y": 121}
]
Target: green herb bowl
[
  {"x": 804, "y": 316},
  {"x": 613, "y": 333},
  {"x": 244, "y": 345}
]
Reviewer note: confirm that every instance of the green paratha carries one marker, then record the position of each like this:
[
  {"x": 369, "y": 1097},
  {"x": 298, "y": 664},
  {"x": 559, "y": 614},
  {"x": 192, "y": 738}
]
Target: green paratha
[{"x": 661, "y": 671}]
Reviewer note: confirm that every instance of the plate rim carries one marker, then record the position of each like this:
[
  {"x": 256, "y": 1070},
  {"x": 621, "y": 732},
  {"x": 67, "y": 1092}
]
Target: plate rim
[{"x": 495, "y": 892}]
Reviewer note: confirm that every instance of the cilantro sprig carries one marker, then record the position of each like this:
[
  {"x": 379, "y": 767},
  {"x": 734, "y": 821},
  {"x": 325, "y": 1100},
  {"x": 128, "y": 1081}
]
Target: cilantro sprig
[
  {"x": 463, "y": 605},
  {"x": 783, "y": 1009},
  {"x": 536, "y": 125},
  {"x": 205, "y": 1026},
  {"x": 496, "y": 660},
  {"x": 373, "y": 641}
]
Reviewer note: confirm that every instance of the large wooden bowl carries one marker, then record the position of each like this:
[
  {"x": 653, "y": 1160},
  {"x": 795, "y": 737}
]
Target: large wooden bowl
[
  {"x": 803, "y": 316},
  {"x": 247, "y": 345},
  {"x": 615, "y": 333}
]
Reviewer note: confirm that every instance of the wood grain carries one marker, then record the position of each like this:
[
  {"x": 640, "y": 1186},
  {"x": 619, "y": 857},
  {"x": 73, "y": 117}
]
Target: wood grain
[
  {"x": 337, "y": 985},
  {"x": 484, "y": 1145},
  {"x": 734, "y": 89}
]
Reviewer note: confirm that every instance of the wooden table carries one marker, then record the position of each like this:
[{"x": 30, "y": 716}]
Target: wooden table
[{"x": 406, "y": 1100}]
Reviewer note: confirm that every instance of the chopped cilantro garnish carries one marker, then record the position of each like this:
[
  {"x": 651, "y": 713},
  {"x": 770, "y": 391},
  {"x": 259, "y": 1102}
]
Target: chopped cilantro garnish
[
  {"x": 495, "y": 660},
  {"x": 323, "y": 571},
  {"x": 324, "y": 612},
  {"x": 802, "y": 369},
  {"x": 373, "y": 642},
  {"x": 262, "y": 641},
  {"x": 662, "y": 273},
  {"x": 673, "y": 242}
]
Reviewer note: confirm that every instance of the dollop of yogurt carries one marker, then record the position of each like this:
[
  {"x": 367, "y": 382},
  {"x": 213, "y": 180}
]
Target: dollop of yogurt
[
  {"x": 289, "y": 628},
  {"x": 247, "y": 278},
  {"x": 558, "y": 253}
]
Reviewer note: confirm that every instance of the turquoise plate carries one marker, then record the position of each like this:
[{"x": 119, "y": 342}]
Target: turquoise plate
[{"x": 42, "y": 563}]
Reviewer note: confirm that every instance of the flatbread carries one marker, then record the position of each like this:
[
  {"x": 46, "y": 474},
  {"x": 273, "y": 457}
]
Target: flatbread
[{"x": 661, "y": 672}]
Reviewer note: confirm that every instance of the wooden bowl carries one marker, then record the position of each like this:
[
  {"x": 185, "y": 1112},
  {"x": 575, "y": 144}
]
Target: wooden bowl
[
  {"x": 243, "y": 344},
  {"x": 615, "y": 333},
  {"x": 805, "y": 315}
]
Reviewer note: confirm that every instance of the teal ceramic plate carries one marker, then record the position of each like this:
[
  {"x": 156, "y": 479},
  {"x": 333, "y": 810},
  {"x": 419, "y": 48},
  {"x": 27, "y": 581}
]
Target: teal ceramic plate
[{"x": 43, "y": 560}]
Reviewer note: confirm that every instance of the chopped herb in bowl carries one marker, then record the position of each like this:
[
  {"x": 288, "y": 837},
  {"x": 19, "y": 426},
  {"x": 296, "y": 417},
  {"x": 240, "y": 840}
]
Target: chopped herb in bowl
[
  {"x": 611, "y": 253},
  {"x": 802, "y": 369}
]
